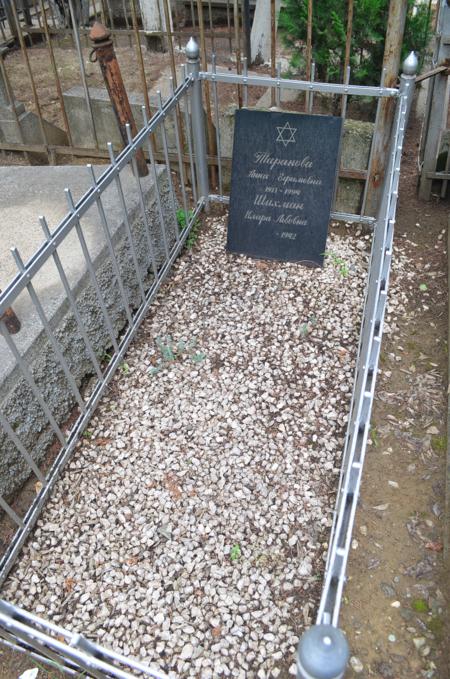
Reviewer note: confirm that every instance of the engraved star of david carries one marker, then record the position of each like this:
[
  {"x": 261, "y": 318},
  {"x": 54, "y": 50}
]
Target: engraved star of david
[{"x": 286, "y": 134}]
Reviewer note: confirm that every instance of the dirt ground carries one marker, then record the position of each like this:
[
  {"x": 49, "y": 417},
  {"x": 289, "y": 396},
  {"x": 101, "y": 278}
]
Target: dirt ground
[{"x": 395, "y": 610}]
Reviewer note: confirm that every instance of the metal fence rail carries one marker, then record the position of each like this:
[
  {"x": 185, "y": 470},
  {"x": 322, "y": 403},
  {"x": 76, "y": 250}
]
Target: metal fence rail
[
  {"x": 20, "y": 628},
  {"x": 149, "y": 278}
]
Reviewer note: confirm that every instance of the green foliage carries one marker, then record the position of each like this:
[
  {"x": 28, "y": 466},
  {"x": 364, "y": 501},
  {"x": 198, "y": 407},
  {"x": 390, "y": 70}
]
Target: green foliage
[
  {"x": 172, "y": 351},
  {"x": 339, "y": 263},
  {"x": 368, "y": 34},
  {"x": 183, "y": 222},
  {"x": 235, "y": 553},
  {"x": 306, "y": 328},
  {"x": 420, "y": 606},
  {"x": 439, "y": 443}
]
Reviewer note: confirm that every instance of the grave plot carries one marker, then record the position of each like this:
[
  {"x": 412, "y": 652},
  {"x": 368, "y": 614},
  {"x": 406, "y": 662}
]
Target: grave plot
[{"x": 190, "y": 527}]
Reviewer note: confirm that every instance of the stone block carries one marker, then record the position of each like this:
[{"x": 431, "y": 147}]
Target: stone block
[
  {"x": 28, "y": 130},
  {"x": 355, "y": 150},
  {"x": 106, "y": 126},
  {"x": 45, "y": 195}
]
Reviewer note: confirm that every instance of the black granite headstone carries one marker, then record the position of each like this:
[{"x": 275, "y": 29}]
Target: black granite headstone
[{"x": 282, "y": 184}]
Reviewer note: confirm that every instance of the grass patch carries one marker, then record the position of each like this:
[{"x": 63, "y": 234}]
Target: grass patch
[
  {"x": 420, "y": 606},
  {"x": 439, "y": 443},
  {"x": 436, "y": 626},
  {"x": 183, "y": 222}
]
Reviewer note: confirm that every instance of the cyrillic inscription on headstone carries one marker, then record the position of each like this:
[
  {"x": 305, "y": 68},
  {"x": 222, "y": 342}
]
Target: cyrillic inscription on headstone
[{"x": 282, "y": 184}]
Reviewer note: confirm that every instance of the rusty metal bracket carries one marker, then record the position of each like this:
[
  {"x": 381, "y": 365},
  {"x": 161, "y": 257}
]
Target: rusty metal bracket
[{"x": 11, "y": 321}]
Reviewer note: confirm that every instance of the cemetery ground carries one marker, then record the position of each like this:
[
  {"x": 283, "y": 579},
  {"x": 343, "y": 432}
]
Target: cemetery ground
[{"x": 395, "y": 610}]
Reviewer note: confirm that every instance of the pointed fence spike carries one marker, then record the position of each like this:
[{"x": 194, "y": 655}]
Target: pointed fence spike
[
  {"x": 111, "y": 153},
  {"x": 17, "y": 258},
  {"x": 44, "y": 226}
]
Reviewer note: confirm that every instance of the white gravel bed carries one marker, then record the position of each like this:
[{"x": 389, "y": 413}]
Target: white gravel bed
[{"x": 189, "y": 529}]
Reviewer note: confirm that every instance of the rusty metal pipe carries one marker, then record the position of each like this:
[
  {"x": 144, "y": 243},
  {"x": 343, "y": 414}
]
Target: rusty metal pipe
[{"x": 103, "y": 50}]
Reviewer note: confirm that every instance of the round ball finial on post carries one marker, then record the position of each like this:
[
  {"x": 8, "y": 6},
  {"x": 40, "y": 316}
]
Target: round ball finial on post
[
  {"x": 192, "y": 50},
  {"x": 322, "y": 653},
  {"x": 410, "y": 65}
]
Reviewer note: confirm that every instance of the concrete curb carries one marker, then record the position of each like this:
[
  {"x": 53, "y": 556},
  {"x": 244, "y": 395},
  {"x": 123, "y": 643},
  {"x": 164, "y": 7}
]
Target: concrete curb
[{"x": 18, "y": 403}]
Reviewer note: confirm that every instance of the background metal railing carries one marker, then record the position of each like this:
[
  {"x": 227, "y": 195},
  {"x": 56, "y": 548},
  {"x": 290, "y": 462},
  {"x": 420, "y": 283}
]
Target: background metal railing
[{"x": 19, "y": 627}]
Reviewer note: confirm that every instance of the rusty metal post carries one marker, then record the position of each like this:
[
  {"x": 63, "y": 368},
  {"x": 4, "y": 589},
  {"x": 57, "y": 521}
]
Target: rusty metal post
[
  {"x": 106, "y": 57},
  {"x": 382, "y": 132},
  {"x": 348, "y": 37},
  {"x": 273, "y": 47},
  {"x": 308, "y": 49},
  {"x": 11, "y": 321}
]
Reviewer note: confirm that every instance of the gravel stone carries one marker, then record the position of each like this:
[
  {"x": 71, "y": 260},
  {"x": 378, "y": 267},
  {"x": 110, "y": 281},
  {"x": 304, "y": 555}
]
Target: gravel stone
[{"x": 189, "y": 527}]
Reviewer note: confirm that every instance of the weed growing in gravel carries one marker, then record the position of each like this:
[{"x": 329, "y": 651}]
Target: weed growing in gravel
[
  {"x": 374, "y": 436},
  {"x": 339, "y": 263},
  {"x": 182, "y": 223},
  {"x": 306, "y": 328},
  {"x": 172, "y": 351},
  {"x": 420, "y": 606},
  {"x": 124, "y": 367},
  {"x": 235, "y": 553},
  {"x": 439, "y": 443}
]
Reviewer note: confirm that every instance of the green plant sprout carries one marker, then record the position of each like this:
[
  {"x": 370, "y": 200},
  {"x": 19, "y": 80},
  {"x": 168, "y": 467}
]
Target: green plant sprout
[
  {"x": 305, "y": 328},
  {"x": 183, "y": 222},
  {"x": 235, "y": 553},
  {"x": 374, "y": 436},
  {"x": 339, "y": 263},
  {"x": 172, "y": 351}
]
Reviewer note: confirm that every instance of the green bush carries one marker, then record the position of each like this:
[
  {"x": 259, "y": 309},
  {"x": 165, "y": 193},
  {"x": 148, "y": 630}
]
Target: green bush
[{"x": 368, "y": 33}]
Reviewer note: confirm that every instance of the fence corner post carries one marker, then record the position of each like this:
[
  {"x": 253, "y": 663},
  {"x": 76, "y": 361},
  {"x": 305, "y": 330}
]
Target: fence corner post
[
  {"x": 322, "y": 653},
  {"x": 407, "y": 81},
  {"x": 198, "y": 120}
]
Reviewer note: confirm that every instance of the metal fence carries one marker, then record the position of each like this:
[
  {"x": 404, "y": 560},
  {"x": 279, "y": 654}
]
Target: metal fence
[
  {"x": 24, "y": 630},
  {"x": 43, "y": 27}
]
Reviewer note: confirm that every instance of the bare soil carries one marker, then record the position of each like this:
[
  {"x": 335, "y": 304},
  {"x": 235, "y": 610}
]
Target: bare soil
[{"x": 398, "y": 584}]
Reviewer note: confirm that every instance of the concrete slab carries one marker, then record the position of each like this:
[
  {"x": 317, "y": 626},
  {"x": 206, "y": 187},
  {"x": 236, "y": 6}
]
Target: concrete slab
[{"x": 26, "y": 193}]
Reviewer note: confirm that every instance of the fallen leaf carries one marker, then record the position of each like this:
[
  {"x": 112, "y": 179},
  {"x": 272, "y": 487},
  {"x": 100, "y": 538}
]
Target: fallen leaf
[
  {"x": 102, "y": 441},
  {"x": 30, "y": 674},
  {"x": 38, "y": 487},
  {"x": 173, "y": 487},
  {"x": 69, "y": 584},
  {"x": 433, "y": 430},
  {"x": 434, "y": 546},
  {"x": 216, "y": 632},
  {"x": 381, "y": 508}
]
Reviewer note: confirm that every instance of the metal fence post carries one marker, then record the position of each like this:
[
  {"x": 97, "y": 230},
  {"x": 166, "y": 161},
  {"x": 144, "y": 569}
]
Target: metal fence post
[
  {"x": 198, "y": 120},
  {"x": 322, "y": 653},
  {"x": 103, "y": 52},
  {"x": 408, "y": 81}
]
